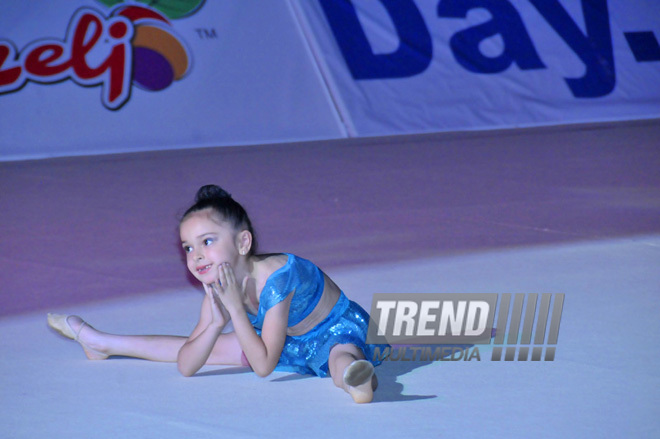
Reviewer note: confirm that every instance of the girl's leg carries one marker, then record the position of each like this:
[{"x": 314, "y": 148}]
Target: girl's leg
[
  {"x": 341, "y": 357},
  {"x": 99, "y": 345}
]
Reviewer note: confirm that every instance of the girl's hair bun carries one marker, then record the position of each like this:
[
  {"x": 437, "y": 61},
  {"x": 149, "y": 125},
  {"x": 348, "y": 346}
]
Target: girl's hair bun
[
  {"x": 211, "y": 192},
  {"x": 225, "y": 208}
]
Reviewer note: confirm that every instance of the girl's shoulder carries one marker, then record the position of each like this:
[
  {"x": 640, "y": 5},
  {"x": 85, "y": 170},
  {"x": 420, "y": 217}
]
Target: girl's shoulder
[
  {"x": 269, "y": 264},
  {"x": 271, "y": 280},
  {"x": 285, "y": 264},
  {"x": 285, "y": 272}
]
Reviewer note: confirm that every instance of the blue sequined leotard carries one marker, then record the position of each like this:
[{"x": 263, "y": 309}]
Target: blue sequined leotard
[{"x": 308, "y": 353}]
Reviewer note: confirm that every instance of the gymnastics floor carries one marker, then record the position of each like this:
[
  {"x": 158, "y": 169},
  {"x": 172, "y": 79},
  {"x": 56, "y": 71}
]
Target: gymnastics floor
[{"x": 572, "y": 210}]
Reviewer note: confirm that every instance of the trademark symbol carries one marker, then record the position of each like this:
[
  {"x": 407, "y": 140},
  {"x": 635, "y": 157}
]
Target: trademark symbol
[{"x": 206, "y": 34}]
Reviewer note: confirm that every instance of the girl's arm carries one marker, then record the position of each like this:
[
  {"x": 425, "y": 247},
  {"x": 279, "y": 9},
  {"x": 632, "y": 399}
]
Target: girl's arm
[
  {"x": 196, "y": 350},
  {"x": 263, "y": 353}
]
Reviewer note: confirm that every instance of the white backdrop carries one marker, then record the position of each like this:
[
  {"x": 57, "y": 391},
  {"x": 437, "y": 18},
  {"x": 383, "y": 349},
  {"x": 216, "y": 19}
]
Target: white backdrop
[{"x": 276, "y": 71}]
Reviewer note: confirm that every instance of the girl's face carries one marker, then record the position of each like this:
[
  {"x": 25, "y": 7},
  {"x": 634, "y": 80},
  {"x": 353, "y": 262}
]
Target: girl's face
[{"x": 207, "y": 242}]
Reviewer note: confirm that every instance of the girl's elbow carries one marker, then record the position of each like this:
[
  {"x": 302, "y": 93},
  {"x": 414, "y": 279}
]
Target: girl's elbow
[
  {"x": 263, "y": 373},
  {"x": 264, "y": 370},
  {"x": 184, "y": 368},
  {"x": 185, "y": 371}
]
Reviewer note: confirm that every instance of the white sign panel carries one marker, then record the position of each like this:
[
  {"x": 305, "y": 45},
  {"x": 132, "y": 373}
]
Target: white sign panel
[
  {"x": 98, "y": 76},
  {"x": 401, "y": 66}
]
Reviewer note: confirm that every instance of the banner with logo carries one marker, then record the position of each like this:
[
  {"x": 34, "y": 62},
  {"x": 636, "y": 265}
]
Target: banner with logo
[
  {"x": 402, "y": 66},
  {"x": 97, "y": 76},
  {"x": 100, "y": 76}
]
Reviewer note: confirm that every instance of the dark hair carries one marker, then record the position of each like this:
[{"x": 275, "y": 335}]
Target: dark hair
[{"x": 216, "y": 198}]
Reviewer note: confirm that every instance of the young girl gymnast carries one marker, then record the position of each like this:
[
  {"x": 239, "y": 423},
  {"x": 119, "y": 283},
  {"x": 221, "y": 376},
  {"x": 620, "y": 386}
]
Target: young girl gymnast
[{"x": 287, "y": 315}]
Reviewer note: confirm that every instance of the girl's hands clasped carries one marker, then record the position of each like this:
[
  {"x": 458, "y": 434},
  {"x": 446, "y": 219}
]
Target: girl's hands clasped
[
  {"x": 230, "y": 293},
  {"x": 220, "y": 315}
]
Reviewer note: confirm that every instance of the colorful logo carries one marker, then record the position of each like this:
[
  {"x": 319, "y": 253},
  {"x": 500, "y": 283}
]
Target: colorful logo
[
  {"x": 134, "y": 45},
  {"x": 159, "y": 57}
]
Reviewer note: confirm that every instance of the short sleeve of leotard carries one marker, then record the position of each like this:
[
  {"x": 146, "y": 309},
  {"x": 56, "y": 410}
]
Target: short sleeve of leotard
[
  {"x": 298, "y": 276},
  {"x": 279, "y": 285}
]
